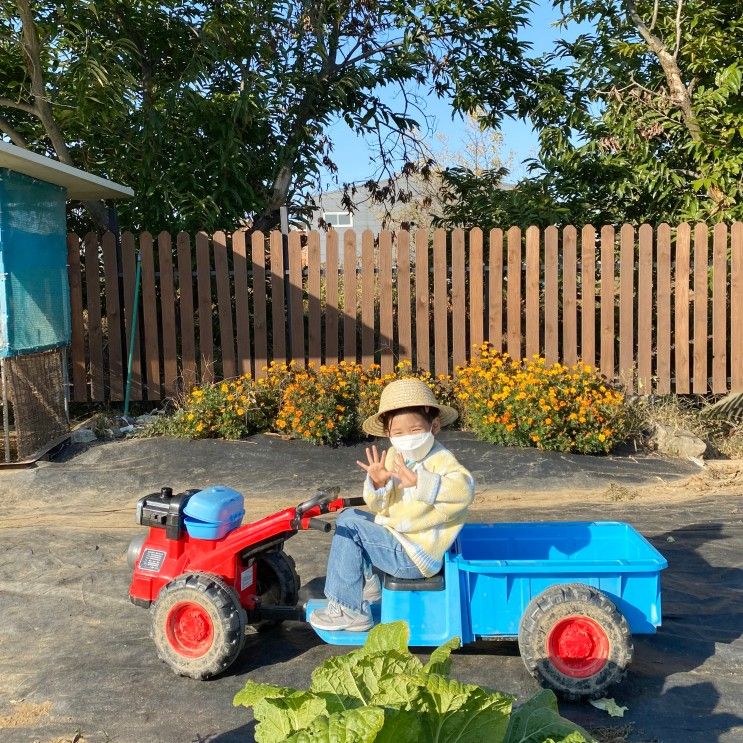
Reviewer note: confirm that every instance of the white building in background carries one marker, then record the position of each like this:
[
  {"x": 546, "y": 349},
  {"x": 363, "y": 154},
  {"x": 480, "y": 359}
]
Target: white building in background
[
  {"x": 370, "y": 215},
  {"x": 366, "y": 216}
]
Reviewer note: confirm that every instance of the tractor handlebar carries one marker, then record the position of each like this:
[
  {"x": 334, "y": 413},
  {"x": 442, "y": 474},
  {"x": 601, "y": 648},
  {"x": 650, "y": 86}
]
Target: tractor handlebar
[
  {"x": 325, "y": 501},
  {"x": 319, "y": 524},
  {"x": 351, "y": 502},
  {"x": 321, "y": 498}
]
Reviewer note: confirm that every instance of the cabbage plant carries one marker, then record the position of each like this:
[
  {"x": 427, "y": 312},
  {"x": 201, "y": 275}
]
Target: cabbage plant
[{"x": 383, "y": 693}]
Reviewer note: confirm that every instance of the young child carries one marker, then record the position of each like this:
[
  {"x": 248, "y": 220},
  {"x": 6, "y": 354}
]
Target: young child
[{"x": 418, "y": 495}]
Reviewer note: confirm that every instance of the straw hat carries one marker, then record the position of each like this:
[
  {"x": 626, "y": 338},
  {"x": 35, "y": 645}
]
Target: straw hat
[{"x": 406, "y": 393}]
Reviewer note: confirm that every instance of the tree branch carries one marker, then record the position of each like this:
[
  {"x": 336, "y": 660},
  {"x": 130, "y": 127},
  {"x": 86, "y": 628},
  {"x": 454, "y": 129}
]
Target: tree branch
[
  {"x": 42, "y": 109},
  {"x": 680, "y": 93},
  {"x": 15, "y": 136},
  {"x": 677, "y": 89},
  {"x": 27, "y": 107},
  {"x": 679, "y": 5},
  {"x": 31, "y": 50},
  {"x": 655, "y": 14},
  {"x": 351, "y": 61}
]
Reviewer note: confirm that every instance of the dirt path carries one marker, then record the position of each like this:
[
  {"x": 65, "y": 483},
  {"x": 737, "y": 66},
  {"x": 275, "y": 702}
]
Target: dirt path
[{"x": 76, "y": 513}]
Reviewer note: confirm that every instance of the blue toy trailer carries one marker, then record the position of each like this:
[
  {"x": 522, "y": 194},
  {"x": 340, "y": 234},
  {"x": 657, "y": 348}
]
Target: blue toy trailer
[{"x": 572, "y": 593}]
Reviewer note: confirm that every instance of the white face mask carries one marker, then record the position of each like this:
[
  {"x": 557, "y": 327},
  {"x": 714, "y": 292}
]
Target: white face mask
[{"x": 415, "y": 446}]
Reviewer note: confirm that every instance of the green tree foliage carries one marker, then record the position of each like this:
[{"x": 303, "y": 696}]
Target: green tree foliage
[
  {"x": 216, "y": 111},
  {"x": 639, "y": 119}
]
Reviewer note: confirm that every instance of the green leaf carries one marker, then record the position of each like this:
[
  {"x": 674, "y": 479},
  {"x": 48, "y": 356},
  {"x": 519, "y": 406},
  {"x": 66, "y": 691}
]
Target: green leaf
[
  {"x": 464, "y": 713},
  {"x": 253, "y": 692},
  {"x": 352, "y": 726},
  {"x": 538, "y": 720},
  {"x": 389, "y": 636},
  {"x": 440, "y": 660},
  {"x": 401, "y": 726},
  {"x": 360, "y": 674},
  {"x": 281, "y": 717}
]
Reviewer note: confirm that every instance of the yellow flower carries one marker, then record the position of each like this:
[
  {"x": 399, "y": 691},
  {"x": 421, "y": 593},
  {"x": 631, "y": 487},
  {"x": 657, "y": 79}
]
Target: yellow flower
[
  {"x": 190, "y": 416},
  {"x": 224, "y": 387},
  {"x": 240, "y": 411}
]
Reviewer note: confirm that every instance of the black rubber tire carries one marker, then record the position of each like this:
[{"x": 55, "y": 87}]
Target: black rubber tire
[
  {"x": 222, "y": 604},
  {"x": 277, "y": 584},
  {"x": 561, "y": 601}
]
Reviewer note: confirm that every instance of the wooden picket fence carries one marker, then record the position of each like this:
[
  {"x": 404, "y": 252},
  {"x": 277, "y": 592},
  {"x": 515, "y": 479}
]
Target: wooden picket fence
[{"x": 654, "y": 308}]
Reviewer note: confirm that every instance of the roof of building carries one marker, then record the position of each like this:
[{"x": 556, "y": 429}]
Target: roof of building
[{"x": 79, "y": 183}]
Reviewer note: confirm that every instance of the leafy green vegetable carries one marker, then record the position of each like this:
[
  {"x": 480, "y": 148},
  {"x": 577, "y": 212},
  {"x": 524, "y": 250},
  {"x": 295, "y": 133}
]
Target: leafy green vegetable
[
  {"x": 384, "y": 694},
  {"x": 390, "y": 636},
  {"x": 352, "y": 726},
  {"x": 253, "y": 692},
  {"x": 463, "y": 712},
  {"x": 361, "y": 675},
  {"x": 280, "y": 717},
  {"x": 538, "y": 721},
  {"x": 440, "y": 660}
]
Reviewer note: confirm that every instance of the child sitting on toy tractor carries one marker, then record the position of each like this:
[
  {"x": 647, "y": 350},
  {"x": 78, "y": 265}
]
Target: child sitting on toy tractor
[{"x": 418, "y": 495}]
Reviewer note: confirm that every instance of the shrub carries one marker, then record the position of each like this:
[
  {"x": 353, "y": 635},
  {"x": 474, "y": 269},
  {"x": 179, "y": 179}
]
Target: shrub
[
  {"x": 383, "y": 693},
  {"x": 321, "y": 405},
  {"x": 533, "y": 403},
  {"x": 514, "y": 403},
  {"x": 269, "y": 389},
  {"x": 228, "y": 409}
]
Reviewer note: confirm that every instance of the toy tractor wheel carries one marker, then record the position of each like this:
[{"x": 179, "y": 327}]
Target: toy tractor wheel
[
  {"x": 198, "y": 625},
  {"x": 277, "y": 584},
  {"x": 574, "y": 641}
]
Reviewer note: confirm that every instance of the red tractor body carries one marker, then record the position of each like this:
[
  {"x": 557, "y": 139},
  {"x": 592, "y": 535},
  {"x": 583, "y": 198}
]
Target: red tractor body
[{"x": 204, "y": 591}]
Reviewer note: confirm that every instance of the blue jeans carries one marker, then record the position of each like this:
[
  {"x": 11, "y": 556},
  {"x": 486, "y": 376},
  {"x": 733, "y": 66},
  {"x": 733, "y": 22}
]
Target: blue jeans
[{"x": 359, "y": 544}]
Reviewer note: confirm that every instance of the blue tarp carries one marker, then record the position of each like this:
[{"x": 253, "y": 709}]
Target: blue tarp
[{"x": 34, "y": 289}]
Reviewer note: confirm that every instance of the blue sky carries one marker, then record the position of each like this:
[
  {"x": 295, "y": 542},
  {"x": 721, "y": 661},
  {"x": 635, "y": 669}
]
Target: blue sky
[{"x": 352, "y": 154}]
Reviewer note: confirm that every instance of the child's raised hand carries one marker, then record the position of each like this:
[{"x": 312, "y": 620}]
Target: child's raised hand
[
  {"x": 375, "y": 468},
  {"x": 406, "y": 476}
]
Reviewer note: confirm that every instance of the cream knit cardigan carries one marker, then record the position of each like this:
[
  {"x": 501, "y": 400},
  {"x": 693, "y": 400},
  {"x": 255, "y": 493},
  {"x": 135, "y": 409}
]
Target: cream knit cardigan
[{"x": 425, "y": 519}]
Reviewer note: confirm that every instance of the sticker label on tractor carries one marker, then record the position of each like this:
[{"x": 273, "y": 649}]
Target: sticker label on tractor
[
  {"x": 152, "y": 560},
  {"x": 246, "y": 578}
]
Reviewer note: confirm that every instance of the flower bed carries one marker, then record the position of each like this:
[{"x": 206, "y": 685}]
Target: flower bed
[
  {"x": 533, "y": 403},
  {"x": 514, "y": 403}
]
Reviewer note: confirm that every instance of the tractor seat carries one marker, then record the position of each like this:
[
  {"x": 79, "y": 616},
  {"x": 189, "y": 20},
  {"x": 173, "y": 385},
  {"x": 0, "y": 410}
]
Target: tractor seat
[{"x": 434, "y": 583}]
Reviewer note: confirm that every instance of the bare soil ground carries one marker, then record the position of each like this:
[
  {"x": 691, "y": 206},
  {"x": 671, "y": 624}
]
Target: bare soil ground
[{"x": 77, "y": 664}]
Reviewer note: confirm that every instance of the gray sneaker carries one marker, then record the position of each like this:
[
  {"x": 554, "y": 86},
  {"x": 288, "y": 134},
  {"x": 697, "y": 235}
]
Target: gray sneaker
[
  {"x": 373, "y": 589},
  {"x": 335, "y": 617}
]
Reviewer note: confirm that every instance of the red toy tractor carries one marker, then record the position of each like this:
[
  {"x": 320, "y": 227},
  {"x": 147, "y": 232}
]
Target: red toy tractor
[{"x": 206, "y": 578}]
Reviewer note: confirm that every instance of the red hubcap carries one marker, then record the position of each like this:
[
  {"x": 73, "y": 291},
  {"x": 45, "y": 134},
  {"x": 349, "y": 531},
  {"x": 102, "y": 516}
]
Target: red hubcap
[
  {"x": 578, "y": 647},
  {"x": 189, "y": 629}
]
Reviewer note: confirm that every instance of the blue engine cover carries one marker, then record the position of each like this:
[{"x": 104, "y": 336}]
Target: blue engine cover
[{"x": 213, "y": 512}]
